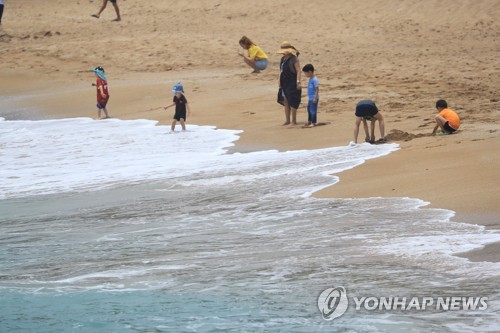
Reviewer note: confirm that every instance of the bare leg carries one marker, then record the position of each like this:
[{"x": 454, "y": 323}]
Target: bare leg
[
  {"x": 104, "y": 3},
  {"x": 441, "y": 121},
  {"x": 173, "y": 125},
  {"x": 117, "y": 10},
  {"x": 106, "y": 113},
  {"x": 287, "y": 111},
  {"x": 183, "y": 124},
  {"x": 251, "y": 63},
  {"x": 372, "y": 130},
  {"x": 294, "y": 115},
  {"x": 365, "y": 127},
  {"x": 381, "y": 125},
  {"x": 356, "y": 129},
  {"x": 98, "y": 113}
]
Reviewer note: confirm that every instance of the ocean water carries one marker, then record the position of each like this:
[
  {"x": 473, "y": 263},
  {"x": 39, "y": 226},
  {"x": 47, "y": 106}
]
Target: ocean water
[{"x": 122, "y": 226}]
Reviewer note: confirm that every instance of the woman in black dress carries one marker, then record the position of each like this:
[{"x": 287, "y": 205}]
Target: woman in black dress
[{"x": 289, "y": 93}]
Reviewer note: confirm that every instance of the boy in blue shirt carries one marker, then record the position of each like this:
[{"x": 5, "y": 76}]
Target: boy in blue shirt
[{"x": 313, "y": 94}]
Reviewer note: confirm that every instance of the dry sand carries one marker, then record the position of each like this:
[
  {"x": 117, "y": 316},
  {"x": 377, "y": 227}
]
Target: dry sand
[{"x": 403, "y": 54}]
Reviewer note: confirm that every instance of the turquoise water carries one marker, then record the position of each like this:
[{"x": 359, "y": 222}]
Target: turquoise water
[{"x": 159, "y": 232}]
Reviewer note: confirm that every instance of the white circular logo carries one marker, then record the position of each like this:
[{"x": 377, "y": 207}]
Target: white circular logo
[{"x": 332, "y": 303}]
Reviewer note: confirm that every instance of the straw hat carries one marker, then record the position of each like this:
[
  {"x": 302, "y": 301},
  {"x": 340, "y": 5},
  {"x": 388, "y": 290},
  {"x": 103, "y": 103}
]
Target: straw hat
[
  {"x": 286, "y": 51},
  {"x": 286, "y": 48},
  {"x": 286, "y": 45}
]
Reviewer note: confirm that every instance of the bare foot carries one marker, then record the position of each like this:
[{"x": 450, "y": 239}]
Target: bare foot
[
  {"x": 95, "y": 15},
  {"x": 117, "y": 20},
  {"x": 286, "y": 123}
]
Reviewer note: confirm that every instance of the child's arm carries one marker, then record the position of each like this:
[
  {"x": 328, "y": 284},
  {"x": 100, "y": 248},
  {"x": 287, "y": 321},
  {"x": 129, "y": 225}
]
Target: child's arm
[
  {"x": 435, "y": 130},
  {"x": 168, "y": 106},
  {"x": 316, "y": 94},
  {"x": 101, "y": 91},
  {"x": 188, "y": 109}
]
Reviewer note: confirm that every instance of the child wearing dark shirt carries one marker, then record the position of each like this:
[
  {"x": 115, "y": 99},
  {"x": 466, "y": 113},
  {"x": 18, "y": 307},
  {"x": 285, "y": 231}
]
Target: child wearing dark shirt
[{"x": 181, "y": 105}]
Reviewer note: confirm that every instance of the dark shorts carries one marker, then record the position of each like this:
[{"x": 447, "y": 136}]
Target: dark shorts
[
  {"x": 102, "y": 104},
  {"x": 112, "y": 1},
  {"x": 448, "y": 128},
  {"x": 180, "y": 115},
  {"x": 366, "y": 108}
]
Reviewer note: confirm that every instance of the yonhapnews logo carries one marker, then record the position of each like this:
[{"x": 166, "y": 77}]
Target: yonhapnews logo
[{"x": 333, "y": 303}]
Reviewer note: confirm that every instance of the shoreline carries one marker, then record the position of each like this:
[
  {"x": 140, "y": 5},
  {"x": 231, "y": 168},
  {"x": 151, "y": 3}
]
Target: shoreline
[
  {"x": 387, "y": 176},
  {"x": 361, "y": 50}
]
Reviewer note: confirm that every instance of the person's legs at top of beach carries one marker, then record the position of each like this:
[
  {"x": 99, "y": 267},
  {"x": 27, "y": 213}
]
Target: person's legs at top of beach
[
  {"x": 174, "y": 123},
  {"x": 117, "y": 11},
  {"x": 104, "y": 3},
  {"x": 1, "y": 13},
  {"x": 183, "y": 124}
]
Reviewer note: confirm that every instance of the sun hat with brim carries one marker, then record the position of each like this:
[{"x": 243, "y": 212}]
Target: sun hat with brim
[
  {"x": 286, "y": 45},
  {"x": 287, "y": 51},
  {"x": 178, "y": 88},
  {"x": 100, "y": 72}
]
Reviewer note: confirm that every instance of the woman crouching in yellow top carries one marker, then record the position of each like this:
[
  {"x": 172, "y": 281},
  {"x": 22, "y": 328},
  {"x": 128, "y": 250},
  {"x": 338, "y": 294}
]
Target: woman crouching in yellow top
[{"x": 257, "y": 58}]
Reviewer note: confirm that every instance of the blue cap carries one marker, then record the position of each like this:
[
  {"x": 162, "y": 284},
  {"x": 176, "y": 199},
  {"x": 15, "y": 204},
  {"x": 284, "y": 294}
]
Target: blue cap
[{"x": 178, "y": 88}]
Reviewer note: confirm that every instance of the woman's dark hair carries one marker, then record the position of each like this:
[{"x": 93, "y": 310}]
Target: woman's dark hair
[
  {"x": 245, "y": 41},
  {"x": 441, "y": 104}
]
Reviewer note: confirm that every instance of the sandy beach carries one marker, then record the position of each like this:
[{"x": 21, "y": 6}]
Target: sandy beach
[{"x": 403, "y": 54}]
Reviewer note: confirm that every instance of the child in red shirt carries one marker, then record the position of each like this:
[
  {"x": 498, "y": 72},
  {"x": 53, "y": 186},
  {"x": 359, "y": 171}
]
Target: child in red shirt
[{"x": 102, "y": 91}]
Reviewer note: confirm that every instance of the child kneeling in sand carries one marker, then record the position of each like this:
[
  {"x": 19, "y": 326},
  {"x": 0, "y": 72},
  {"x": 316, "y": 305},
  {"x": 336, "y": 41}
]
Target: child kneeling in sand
[
  {"x": 447, "y": 119},
  {"x": 102, "y": 91},
  {"x": 181, "y": 104}
]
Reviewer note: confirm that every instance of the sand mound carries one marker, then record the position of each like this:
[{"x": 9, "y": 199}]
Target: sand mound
[{"x": 398, "y": 135}]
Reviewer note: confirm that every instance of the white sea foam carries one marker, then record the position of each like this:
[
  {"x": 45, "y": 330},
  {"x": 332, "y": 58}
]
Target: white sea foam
[{"x": 53, "y": 156}]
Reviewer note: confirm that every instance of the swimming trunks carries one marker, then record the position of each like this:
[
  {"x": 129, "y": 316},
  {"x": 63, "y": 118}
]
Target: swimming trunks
[
  {"x": 448, "y": 128},
  {"x": 366, "y": 108}
]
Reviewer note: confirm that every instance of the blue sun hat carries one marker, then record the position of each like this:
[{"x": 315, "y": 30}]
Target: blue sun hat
[
  {"x": 100, "y": 72},
  {"x": 178, "y": 88}
]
